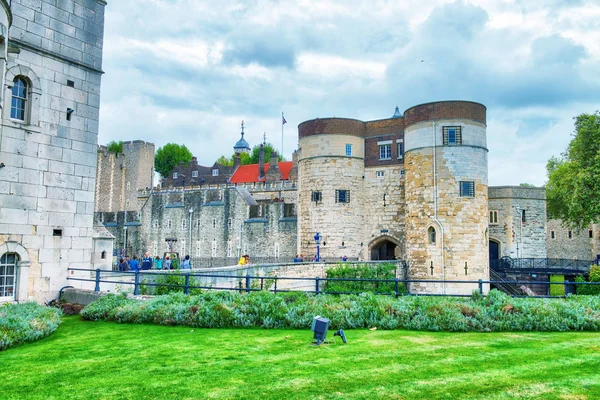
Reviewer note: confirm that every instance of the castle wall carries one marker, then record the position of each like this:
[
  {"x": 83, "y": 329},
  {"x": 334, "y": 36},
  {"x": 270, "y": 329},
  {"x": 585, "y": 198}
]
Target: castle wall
[
  {"x": 47, "y": 186},
  {"x": 578, "y": 246}
]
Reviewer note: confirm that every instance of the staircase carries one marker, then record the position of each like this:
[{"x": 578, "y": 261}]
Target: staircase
[{"x": 509, "y": 288}]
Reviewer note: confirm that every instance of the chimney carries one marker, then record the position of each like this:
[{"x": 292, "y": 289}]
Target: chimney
[
  {"x": 261, "y": 162},
  {"x": 274, "y": 159},
  {"x": 194, "y": 161},
  {"x": 237, "y": 161}
]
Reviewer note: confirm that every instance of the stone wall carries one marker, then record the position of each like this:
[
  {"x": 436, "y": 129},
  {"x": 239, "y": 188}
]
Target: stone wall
[
  {"x": 565, "y": 242},
  {"x": 47, "y": 187}
]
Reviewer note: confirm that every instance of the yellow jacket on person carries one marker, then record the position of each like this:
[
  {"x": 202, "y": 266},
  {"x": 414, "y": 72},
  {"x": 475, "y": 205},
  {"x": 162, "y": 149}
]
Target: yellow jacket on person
[{"x": 242, "y": 261}]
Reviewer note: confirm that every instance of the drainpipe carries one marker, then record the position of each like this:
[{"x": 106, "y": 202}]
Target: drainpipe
[{"x": 435, "y": 196}]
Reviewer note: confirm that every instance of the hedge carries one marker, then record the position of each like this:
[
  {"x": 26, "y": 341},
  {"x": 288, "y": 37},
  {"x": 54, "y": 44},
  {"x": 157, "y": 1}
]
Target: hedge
[
  {"x": 26, "y": 322},
  {"x": 495, "y": 312}
]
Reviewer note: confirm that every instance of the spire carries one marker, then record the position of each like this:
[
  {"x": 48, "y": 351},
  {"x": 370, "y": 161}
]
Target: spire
[
  {"x": 397, "y": 113},
  {"x": 241, "y": 146},
  {"x": 243, "y": 128},
  {"x": 265, "y": 138}
]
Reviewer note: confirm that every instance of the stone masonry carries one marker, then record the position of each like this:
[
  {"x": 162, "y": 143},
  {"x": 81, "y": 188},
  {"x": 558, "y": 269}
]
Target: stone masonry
[{"x": 47, "y": 185}]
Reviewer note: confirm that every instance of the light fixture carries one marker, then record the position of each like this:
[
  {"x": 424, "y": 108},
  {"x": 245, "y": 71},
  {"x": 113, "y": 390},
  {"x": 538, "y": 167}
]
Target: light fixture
[{"x": 320, "y": 326}]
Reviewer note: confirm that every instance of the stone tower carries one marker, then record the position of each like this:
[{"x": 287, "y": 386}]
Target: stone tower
[
  {"x": 52, "y": 69},
  {"x": 330, "y": 186},
  {"x": 446, "y": 194}
]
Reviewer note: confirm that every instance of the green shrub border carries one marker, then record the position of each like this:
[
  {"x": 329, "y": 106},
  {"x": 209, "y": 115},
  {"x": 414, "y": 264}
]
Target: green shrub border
[
  {"x": 222, "y": 309},
  {"x": 26, "y": 322}
]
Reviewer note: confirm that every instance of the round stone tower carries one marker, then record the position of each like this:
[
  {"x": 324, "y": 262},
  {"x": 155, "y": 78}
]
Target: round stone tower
[
  {"x": 330, "y": 187},
  {"x": 446, "y": 194}
]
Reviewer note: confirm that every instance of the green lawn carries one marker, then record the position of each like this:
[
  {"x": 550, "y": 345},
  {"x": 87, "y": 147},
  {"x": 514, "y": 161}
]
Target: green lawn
[{"x": 110, "y": 361}]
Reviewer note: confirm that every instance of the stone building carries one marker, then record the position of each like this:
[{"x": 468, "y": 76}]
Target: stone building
[
  {"x": 51, "y": 58},
  {"x": 120, "y": 176},
  {"x": 192, "y": 174},
  {"x": 517, "y": 222},
  {"x": 567, "y": 242}
]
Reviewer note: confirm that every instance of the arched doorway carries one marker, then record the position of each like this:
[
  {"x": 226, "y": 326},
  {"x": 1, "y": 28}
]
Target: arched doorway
[
  {"x": 495, "y": 253},
  {"x": 8, "y": 276},
  {"x": 383, "y": 249}
]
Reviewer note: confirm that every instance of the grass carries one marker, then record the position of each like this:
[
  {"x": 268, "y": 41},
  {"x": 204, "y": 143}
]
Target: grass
[{"x": 112, "y": 361}]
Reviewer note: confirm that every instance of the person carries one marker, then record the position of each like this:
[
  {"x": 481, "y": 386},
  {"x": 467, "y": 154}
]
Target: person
[
  {"x": 167, "y": 262},
  {"x": 123, "y": 265},
  {"x": 186, "y": 264},
  {"x": 301, "y": 259},
  {"x": 147, "y": 262},
  {"x": 134, "y": 265},
  {"x": 158, "y": 262},
  {"x": 242, "y": 260},
  {"x": 315, "y": 258},
  {"x": 344, "y": 258},
  {"x": 296, "y": 259},
  {"x": 247, "y": 257}
]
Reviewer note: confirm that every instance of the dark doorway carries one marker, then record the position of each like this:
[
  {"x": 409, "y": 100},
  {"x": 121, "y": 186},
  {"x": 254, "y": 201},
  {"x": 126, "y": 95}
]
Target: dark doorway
[
  {"x": 383, "y": 251},
  {"x": 494, "y": 250}
]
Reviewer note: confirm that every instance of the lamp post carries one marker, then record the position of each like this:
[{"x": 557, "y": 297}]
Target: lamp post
[
  {"x": 318, "y": 242},
  {"x": 125, "y": 239},
  {"x": 190, "y": 231}
]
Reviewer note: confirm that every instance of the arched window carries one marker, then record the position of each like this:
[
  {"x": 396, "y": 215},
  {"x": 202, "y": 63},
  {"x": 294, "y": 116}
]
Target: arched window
[
  {"x": 18, "y": 104},
  {"x": 8, "y": 276},
  {"x": 431, "y": 235}
]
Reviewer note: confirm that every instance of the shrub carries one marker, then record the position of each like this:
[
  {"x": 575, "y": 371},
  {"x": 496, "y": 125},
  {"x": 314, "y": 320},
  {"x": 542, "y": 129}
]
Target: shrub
[
  {"x": 364, "y": 271},
  {"x": 495, "y": 312},
  {"x": 26, "y": 322},
  {"x": 176, "y": 283},
  {"x": 594, "y": 277}
]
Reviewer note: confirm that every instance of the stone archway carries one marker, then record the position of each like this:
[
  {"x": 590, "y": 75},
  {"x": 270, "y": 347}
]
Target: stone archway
[{"x": 383, "y": 248}]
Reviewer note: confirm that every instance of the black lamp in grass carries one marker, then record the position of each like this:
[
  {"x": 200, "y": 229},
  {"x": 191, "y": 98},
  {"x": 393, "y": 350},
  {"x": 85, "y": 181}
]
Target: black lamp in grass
[{"x": 320, "y": 326}]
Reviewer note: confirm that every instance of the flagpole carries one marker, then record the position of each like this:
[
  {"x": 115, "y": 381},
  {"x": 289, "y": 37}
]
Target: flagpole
[{"x": 282, "y": 123}]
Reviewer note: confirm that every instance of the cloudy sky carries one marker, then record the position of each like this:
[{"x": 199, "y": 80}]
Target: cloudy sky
[{"x": 189, "y": 71}]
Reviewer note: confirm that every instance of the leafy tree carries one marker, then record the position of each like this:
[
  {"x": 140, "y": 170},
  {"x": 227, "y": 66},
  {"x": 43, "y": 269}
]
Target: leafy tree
[
  {"x": 116, "y": 147},
  {"x": 527, "y": 185},
  {"x": 256, "y": 151},
  {"x": 573, "y": 188},
  {"x": 170, "y": 155},
  {"x": 225, "y": 161}
]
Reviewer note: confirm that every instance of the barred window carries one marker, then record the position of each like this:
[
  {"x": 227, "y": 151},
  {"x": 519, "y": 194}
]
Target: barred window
[
  {"x": 552, "y": 235},
  {"x": 493, "y": 217},
  {"x": 215, "y": 172},
  {"x": 342, "y": 196},
  {"x": 452, "y": 135},
  {"x": 385, "y": 152},
  {"x": 400, "y": 149},
  {"x": 348, "y": 150},
  {"x": 183, "y": 224},
  {"x": 467, "y": 189},
  {"x": 316, "y": 197},
  {"x": 289, "y": 210},
  {"x": 380, "y": 174}
]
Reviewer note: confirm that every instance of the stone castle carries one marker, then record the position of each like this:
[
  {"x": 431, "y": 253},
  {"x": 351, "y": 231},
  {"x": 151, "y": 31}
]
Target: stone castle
[
  {"x": 411, "y": 187},
  {"x": 51, "y": 63}
]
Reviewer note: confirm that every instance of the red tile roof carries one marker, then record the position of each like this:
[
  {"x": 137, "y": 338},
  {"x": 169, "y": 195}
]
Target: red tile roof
[{"x": 249, "y": 173}]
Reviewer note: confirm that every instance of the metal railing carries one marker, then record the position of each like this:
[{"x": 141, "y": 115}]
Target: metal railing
[
  {"x": 276, "y": 284},
  {"x": 507, "y": 263}
]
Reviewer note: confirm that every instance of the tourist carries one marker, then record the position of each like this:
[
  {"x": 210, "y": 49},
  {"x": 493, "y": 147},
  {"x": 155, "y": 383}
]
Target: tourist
[
  {"x": 186, "y": 264},
  {"x": 134, "y": 265},
  {"x": 315, "y": 258},
  {"x": 297, "y": 258},
  {"x": 147, "y": 262},
  {"x": 344, "y": 259},
  {"x": 158, "y": 263},
  {"x": 301, "y": 259},
  {"x": 167, "y": 262},
  {"x": 242, "y": 260},
  {"x": 247, "y": 257},
  {"x": 123, "y": 266}
]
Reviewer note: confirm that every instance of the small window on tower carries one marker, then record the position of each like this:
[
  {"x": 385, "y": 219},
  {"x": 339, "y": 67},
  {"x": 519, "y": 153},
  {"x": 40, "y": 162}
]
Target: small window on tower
[
  {"x": 552, "y": 236},
  {"x": 431, "y": 235},
  {"x": 467, "y": 189},
  {"x": 342, "y": 196},
  {"x": 316, "y": 197},
  {"x": 452, "y": 135},
  {"x": 348, "y": 150},
  {"x": 591, "y": 234}
]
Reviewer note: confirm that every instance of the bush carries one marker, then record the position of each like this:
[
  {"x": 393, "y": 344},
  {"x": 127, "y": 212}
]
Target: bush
[
  {"x": 594, "y": 277},
  {"x": 364, "y": 271},
  {"x": 26, "y": 322},
  {"x": 495, "y": 312}
]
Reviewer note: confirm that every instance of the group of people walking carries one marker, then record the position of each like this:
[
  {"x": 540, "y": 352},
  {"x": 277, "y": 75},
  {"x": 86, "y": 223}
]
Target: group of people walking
[{"x": 148, "y": 263}]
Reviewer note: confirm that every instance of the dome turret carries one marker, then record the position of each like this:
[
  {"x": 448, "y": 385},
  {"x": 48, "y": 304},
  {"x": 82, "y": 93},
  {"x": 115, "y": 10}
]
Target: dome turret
[{"x": 242, "y": 146}]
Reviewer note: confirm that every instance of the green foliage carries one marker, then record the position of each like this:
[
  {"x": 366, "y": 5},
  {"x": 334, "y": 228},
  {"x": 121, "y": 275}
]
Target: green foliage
[
  {"x": 26, "y": 322},
  {"x": 116, "y": 147},
  {"x": 573, "y": 186},
  {"x": 527, "y": 185},
  {"x": 169, "y": 156},
  {"x": 228, "y": 162},
  {"x": 594, "y": 277},
  {"x": 364, "y": 271},
  {"x": 251, "y": 158},
  {"x": 176, "y": 284},
  {"x": 493, "y": 313},
  {"x": 557, "y": 290}
]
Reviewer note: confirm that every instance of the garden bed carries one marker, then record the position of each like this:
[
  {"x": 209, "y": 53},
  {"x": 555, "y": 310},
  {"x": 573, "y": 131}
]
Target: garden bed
[{"x": 26, "y": 322}]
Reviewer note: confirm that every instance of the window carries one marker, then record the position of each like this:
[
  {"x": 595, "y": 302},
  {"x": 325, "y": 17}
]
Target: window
[
  {"x": 175, "y": 175},
  {"x": 8, "y": 275},
  {"x": 493, "y": 217},
  {"x": 467, "y": 189},
  {"x": 70, "y": 83},
  {"x": 401, "y": 172},
  {"x": 276, "y": 250},
  {"x": 385, "y": 152},
  {"x": 591, "y": 234},
  {"x": 316, "y": 197},
  {"x": 570, "y": 234},
  {"x": 155, "y": 224},
  {"x": 182, "y": 243},
  {"x": 214, "y": 248},
  {"x": 214, "y": 223},
  {"x": 128, "y": 186},
  {"x": 380, "y": 174},
  {"x": 215, "y": 172},
  {"x": 256, "y": 211},
  {"x": 183, "y": 224},
  {"x": 103, "y": 255},
  {"x": 229, "y": 223},
  {"x": 194, "y": 174},
  {"x": 289, "y": 210},
  {"x": 19, "y": 99},
  {"x": 523, "y": 217},
  {"x": 69, "y": 112},
  {"x": 400, "y": 149},
  {"x": 431, "y": 235},
  {"x": 342, "y": 196},
  {"x": 552, "y": 234},
  {"x": 155, "y": 247},
  {"x": 168, "y": 224},
  {"x": 348, "y": 150},
  {"x": 229, "y": 248},
  {"x": 57, "y": 232},
  {"x": 452, "y": 135},
  {"x": 197, "y": 247}
]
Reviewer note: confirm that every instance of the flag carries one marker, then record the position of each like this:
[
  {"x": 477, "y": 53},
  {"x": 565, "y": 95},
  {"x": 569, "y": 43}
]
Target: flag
[{"x": 283, "y": 121}]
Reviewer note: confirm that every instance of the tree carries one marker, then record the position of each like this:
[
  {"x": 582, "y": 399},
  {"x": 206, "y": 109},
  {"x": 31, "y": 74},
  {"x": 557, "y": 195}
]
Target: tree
[
  {"x": 256, "y": 151},
  {"x": 170, "y": 155},
  {"x": 573, "y": 188},
  {"x": 527, "y": 185},
  {"x": 116, "y": 147},
  {"x": 225, "y": 161}
]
